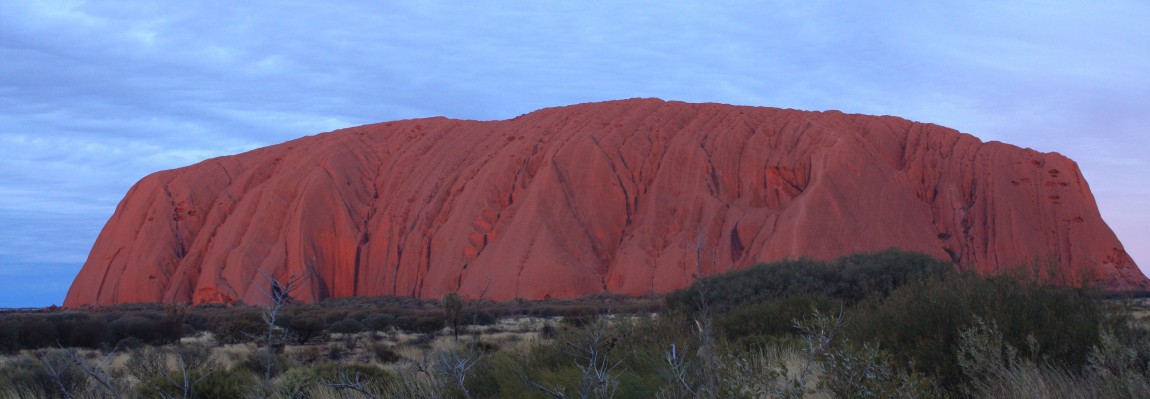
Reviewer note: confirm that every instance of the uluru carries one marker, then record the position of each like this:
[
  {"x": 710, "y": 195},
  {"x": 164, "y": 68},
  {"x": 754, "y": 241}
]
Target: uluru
[{"x": 632, "y": 197}]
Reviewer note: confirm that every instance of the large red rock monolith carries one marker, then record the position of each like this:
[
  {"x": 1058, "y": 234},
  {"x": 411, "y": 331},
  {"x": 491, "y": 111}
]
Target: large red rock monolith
[{"x": 611, "y": 197}]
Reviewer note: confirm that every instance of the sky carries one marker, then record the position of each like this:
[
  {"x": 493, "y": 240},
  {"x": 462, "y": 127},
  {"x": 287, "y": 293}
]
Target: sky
[{"x": 96, "y": 95}]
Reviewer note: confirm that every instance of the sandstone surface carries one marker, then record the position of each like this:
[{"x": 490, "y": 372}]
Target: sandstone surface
[{"x": 633, "y": 197}]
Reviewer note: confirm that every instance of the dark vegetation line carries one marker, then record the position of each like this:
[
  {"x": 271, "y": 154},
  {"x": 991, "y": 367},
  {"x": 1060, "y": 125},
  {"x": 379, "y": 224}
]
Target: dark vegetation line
[{"x": 884, "y": 324}]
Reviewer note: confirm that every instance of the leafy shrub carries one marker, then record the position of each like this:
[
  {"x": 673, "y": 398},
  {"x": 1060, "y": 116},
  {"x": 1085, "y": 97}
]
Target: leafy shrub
[
  {"x": 346, "y": 326},
  {"x": 852, "y": 371},
  {"x": 378, "y": 321},
  {"x": 921, "y": 322},
  {"x": 385, "y": 354},
  {"x": 147, "y": 363},
  {"x": 332, "y": 316},
  {"x": 9, "y": 335},
  {"x": 27, "y": 374},
  {"x": 773, "y": 317},
  {"x": 36, "y": 332},
  {"x": 243, "y": 327},
  {"x": 257, "y": 362},
  {"x": 136, "y": 326},
  {"x": 148, "y": 327},
  {"x": 194, "y": 355},
  {"x": 429, "y": 324},
  {"x": 579, "y": 316},
  {"x": 849, "y": 279},
  {"x": 498, "y": 375},
  {"x": 214, "y": 382},
  {"x": 478, "y": 318},
  {"x": 358, "y": 315},
  {"x": 995, "y": 369},
  {"x": 305, "y": 326},
  {"x": 88, "y": 332},
  {"x": 129, "y": 343}
]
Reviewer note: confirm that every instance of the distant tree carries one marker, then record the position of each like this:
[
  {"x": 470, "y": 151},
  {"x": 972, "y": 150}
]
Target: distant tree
[{"x": 453, "y": 312}]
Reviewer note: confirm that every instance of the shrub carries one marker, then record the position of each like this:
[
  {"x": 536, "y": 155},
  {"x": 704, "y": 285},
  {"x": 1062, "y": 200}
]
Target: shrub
[
  {"x": 921, "y": 322},
  {"x": 243, "y": 327},
  {"x": 215, "y": 382},
  {"x": 305, "y": 326},
  {"x": 994, "y": 369},
  {"x": 378, "y": 321},
  {"x": 296, "y": 382},
  {"x": 89, "y": 332},
  {"x": 146, "y": 329},
  {"x": 129, "y": 343},
  {"x": 430, "y": 324},
  {"x": 27, "y": 374},
  {"x": 257, "y": 362},
  {"x": 346, "y": 326},
  {"x": 9, "y": 335},
  {"x": 866, "y": 372},
  {"x": 579, "y": 316},
  {"x": 498, "y": 376},
  {"x": 36, "y": 332},
  {"x": 194, "y": 356},
  {"x": 385, "y": 354},
  {"x": 333, "y": 316},
  {"x": 849, "y": 279},
  {"x": 480, "y": 318},
  {"x": 772, "y": 317},
  {"x": 147, "y": 363}
]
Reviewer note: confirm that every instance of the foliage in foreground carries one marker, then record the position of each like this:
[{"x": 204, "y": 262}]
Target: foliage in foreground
[{"x": 853, "y": 328}]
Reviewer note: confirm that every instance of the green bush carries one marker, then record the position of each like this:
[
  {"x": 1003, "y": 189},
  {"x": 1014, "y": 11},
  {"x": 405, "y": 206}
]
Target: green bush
[
  {"x": 429, "y": 324},
  {"x": 214, "y": 382},
  {"x": 305, "y": 326},
  {"x": 379, "y": 321},
  {"x": 920, "y": 322},
  {"x": 385, "y": 354},
  {"x": 26, "y": 373},
  {"x": 147, "y": 363},
  {"x": 241, "y": 327},
  {"x": 147, "y": 326},
  {"x": 9, "y": 335},
  {"x": 498, "y": 376},
  {"x": 257, "y": 362},
  {"x": 35, "y": 332},
  {"x": 140, "y": 327},
  {"x": 478, "y": 318},
  {"x": 865, "y": 371},
  {"x": 346, "y": 326},
  {"x": 849, "y": 279},
  {"x": 88, "y": 332},
  {"x": 771, "y": 318}
]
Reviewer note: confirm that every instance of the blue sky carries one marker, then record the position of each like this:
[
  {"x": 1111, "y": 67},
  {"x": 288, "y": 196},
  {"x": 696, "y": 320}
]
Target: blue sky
[{"x": 95, "y": 95}]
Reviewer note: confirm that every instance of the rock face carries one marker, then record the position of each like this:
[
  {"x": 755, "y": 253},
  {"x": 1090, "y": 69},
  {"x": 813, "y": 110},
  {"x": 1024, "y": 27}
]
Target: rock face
[{"x": 633, "y": 197}]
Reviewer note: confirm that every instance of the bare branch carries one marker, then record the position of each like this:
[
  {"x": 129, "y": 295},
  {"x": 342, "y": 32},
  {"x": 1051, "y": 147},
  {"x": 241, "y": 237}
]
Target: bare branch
[
  {"x": 99, "y": 372},
  {"x": 356, "y": 385},
  {"x": 279, "y": 295},
  {"x": 455, "y": 365},
  {"x": 50, "y": 362}
]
